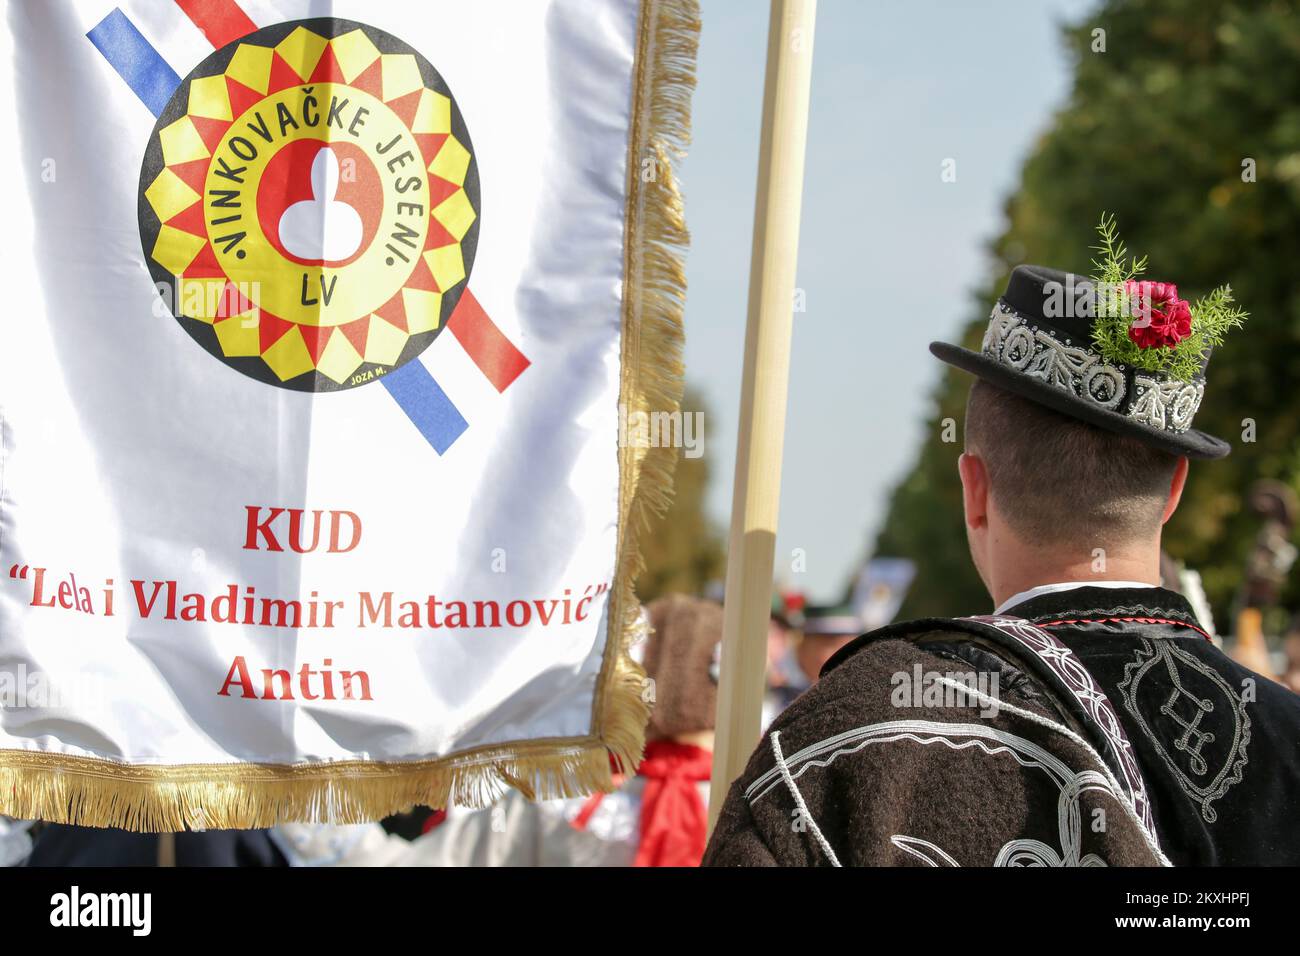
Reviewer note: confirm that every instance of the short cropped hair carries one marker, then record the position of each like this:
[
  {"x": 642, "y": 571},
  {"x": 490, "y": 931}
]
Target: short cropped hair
[{"x": 1058, "y": 479}]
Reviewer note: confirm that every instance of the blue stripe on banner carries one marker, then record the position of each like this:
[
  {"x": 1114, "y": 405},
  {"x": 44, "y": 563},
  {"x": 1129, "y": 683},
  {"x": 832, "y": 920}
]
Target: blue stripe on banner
[
  {"x": 425, "y": 404},
  {"x": 143, "y": 67}
]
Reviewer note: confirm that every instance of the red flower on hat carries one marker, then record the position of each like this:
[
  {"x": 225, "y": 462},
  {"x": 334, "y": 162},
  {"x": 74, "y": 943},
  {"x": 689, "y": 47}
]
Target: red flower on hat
[{"x": 1162, "y": 319}]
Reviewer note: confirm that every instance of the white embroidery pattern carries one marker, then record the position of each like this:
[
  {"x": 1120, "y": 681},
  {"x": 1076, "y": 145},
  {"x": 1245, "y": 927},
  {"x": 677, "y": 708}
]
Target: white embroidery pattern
[
  {"x": 1089, "y": 694},
  {"x": 1179, "y": 666},
  {"x": 1169, "y": 404},
  {"x": 923, "y": 850},
  {"x": 1018, "y": 344},
  {"x": 1026, "y": 852},
  {"x": 1019, "y": 852},
  {"x": 799, "y": 803},
  {"x": 1036, "y": 352}
]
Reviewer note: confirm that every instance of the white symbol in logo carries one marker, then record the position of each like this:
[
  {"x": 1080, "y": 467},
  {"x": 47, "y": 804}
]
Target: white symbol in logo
[{"x": 321, "y": 227}]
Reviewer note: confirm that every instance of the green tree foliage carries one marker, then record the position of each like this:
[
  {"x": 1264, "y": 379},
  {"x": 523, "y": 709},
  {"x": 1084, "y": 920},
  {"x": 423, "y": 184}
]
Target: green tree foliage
[
  {"x": 1190, "y": 100},
  {"x": 684, "y": 551}
]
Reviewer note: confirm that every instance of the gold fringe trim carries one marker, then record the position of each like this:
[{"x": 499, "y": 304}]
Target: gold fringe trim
[
  {"x": 655, "y": 242},
  {"x": 90, "y": 791},
  {"x": 98, "y": 792}
]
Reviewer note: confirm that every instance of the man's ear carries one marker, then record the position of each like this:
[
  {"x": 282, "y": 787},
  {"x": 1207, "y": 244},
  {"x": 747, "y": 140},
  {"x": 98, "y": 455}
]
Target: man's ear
[
  {"x": 974, "y": 489},
  {"x": 1175, "y": 489}
]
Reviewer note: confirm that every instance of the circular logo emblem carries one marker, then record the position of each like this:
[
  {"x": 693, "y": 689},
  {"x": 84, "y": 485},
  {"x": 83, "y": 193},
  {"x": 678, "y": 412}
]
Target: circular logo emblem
[{"x": 309, "y": 204}]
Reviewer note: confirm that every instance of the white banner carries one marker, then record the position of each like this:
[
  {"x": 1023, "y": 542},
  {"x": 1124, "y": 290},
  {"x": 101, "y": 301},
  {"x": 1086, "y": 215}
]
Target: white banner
[{"x": 322, "y": 321}]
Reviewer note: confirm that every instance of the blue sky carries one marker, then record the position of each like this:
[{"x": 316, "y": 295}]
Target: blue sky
[{"x": 889, "y": 253}]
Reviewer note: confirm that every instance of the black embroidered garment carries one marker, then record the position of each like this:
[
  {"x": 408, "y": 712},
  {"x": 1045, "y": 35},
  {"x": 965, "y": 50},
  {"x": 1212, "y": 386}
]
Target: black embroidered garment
[
  {"x": 1218, "y": 745},
  {"x": 1120, "y": 727}
]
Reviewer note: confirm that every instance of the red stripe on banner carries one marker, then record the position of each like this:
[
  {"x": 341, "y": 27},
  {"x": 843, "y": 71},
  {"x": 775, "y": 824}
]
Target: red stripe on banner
[
  {"x": 220, "y": 20},
  {"x": 492, "y": 352}
]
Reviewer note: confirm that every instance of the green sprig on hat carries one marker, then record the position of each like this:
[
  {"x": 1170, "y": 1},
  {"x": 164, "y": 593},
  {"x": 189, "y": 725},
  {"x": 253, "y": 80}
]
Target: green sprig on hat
[{"x": 1120, "y": 304}]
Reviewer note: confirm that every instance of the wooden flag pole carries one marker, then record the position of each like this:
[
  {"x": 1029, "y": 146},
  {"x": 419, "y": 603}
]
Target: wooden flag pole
[{"x": 757, "y": 489}]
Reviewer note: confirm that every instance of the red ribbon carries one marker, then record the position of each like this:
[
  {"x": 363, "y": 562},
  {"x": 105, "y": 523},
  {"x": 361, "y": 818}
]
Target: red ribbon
[{"x": 674, "y": 822}]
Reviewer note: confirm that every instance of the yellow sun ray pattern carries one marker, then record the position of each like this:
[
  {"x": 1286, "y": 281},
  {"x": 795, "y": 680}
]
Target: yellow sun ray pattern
[{"x": 193, "y": 238}]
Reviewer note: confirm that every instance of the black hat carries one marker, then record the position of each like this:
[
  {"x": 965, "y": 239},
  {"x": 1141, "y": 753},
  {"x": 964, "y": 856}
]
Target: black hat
[
  {"x": 838, "y": 620},
  {"x": 1040, "y": 345}
]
